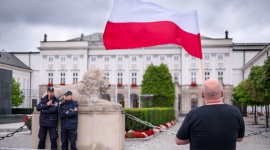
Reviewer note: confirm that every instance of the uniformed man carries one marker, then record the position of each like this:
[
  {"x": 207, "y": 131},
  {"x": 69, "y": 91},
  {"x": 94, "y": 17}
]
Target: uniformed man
[
  {"x": 69, "y": 121},
  {"x": 48, "y": 107}
]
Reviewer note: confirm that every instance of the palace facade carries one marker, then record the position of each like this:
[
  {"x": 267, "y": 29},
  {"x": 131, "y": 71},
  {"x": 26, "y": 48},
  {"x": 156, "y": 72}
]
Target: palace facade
[{"x": 61, "y": 63}]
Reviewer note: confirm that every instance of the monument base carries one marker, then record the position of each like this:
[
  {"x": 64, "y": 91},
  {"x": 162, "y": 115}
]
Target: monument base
[{"x": 100, "y": 127}]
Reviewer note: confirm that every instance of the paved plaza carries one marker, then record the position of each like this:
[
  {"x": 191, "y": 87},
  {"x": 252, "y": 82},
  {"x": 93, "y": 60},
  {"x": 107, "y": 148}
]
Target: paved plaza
[{"x": 163, "y": 141}]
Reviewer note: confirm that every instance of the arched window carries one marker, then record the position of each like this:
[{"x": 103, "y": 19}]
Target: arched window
[
  {"x": 121, "y": 100},
  {"x": 194, "y": 101},
  {"x": 135, "y": 100}
]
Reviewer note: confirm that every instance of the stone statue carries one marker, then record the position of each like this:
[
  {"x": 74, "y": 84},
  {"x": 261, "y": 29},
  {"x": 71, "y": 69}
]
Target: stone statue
[
  {"x": 81, "y": 39},
  {"x": 226, "y": 34},
  {"x": 45, "y": 37},
  {"x": 89, "y": 90}
]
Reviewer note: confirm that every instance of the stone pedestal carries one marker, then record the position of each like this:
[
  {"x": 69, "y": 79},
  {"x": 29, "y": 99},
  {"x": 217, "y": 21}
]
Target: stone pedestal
[{"x": 101, "y": 127}]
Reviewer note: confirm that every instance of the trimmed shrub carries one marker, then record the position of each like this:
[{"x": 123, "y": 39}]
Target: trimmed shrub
[{"x": 155, "y": 116}]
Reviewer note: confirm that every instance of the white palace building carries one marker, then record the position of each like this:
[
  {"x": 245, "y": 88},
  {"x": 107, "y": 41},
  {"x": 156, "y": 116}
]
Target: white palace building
[{"x": 63, "y": 63}]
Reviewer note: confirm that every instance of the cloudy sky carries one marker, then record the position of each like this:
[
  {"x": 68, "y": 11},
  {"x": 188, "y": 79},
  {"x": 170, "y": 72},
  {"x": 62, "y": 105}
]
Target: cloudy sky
[{"x": 23, "y": 23}]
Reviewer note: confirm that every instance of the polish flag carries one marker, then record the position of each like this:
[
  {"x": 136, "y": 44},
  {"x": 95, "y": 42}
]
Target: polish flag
[{"x": 135, "y": 24}]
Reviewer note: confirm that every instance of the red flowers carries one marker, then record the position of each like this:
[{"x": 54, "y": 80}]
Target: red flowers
[
  {"x": 139, "y": 134},
  {"x": 193, "y": 84},
  {"x": 260, "y": 114},
  {"x": 50, "y": 85},
  {"x": 119, "y": 84},
  {"x": 133, "y": 84},
  {"x": 147, "y": 133},
  {"x": 25, "y": 119}
]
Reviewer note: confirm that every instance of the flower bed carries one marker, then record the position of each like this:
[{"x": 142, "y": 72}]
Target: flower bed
[{"x": 148, "y": 133}]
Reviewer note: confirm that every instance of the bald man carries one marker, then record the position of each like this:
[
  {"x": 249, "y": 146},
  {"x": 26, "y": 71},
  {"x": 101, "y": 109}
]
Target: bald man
[{"x": 214, "y": 126}]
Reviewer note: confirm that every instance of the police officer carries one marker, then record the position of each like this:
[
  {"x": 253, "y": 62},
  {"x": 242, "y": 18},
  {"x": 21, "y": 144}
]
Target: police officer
[
  {"x": 69, "y": 121},
  {"x": 48, "y": 119}
]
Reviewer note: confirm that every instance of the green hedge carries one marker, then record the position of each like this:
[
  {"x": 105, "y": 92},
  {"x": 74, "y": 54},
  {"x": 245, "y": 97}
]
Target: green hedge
[{"x": 155, "y": 116}]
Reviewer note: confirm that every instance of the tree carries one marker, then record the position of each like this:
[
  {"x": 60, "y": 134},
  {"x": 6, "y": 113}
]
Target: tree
[
  {"x": 240, "y": 95},
  {"x": 266, "y": 87},
  {"x": 157, "y": 80},
  {"x": 17, "y": 94},
  {"x": 255, "y": 87}
]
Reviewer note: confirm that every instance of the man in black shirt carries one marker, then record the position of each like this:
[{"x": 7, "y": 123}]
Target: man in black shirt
[{"x": 214, "y": 126}]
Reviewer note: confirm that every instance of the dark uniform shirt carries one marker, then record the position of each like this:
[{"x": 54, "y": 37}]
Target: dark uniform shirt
[
  {"x": 49, "y": 114},
  {"x": 69, "y": 114}
]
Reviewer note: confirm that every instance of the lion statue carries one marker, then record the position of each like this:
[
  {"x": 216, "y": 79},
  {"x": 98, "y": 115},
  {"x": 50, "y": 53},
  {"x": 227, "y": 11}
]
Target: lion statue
[{"x": 88, "y": 90}]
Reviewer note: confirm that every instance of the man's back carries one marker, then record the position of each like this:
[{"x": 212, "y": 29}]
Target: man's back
[{"x": 212, "y": 127}]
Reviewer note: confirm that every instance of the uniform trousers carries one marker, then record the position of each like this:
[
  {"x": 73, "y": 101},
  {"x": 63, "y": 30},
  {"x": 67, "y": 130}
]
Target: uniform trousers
[{"x": 70, "y": 134}]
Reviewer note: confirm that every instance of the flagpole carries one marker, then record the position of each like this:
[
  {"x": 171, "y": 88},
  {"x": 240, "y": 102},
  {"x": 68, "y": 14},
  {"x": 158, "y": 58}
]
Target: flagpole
[
  {"x": 116, "y": 87},
  {"x": 202, "y": 68},
  {"x": 128, "y": 80},
  {"x": 202, "y": 63},
  {"x": 142, "y": 75}
]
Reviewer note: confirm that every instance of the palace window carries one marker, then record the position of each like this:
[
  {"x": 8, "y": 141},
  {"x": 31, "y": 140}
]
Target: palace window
[
  {"x": 119, "y": 78},
  {"x": 62, "y": 58},
  {"x": 206, "y": 57},
  {"x": 134, "y": 78},
  {"x": 220, "y": 56},
  {"x": 75, "y": 58},
  {"x": 93, "y": 58},
  {"x": 148, "y": 58},
  {"x": 62, "y": 78},
  {"x": 162, "y": 58},
  {"x": 206, "y": 75},
  {"x": 175, "y": 77},
  {"x": 28, "y": 83},
  {"x": 193, "y": 77},
  {"x": 175, "y": 58},
  {"x": 120, "y": 58},
  {"x": 107, "y": 75},
  {"x": 194, "y": 103},
  {"x": 75, "y": 77},
  {"x": 50, "y": 78},
  {"x": 133, "y": 58},
  {"x": 106, "y": 58},
  {"x": 50, "y": 58},
  {"x": 220, "y": 76}
]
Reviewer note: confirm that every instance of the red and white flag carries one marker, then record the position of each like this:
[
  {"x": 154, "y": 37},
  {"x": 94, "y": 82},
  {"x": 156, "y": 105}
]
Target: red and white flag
[{"x": 135, "y": 24}]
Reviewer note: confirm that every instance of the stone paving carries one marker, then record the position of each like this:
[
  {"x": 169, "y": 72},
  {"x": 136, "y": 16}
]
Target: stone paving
[{"x": 162, "y": 141}]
